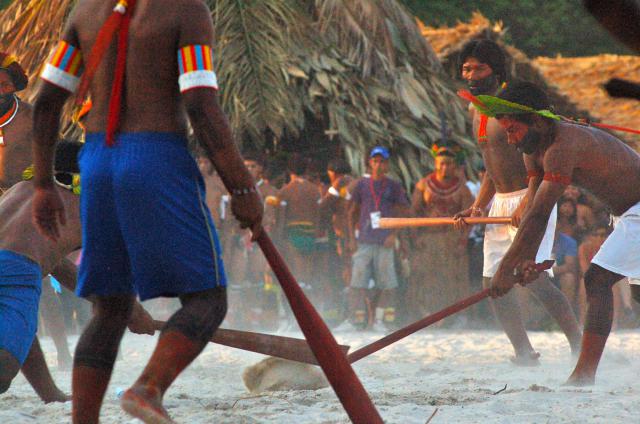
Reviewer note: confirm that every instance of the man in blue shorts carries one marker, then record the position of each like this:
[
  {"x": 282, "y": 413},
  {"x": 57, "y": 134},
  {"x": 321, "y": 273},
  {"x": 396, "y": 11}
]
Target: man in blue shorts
[
  {"x": 25, "y": 256},
  {"x": 145, "y": 226}
]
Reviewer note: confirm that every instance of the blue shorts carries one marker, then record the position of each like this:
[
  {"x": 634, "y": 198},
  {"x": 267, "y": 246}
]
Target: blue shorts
[
  {"x": 146, "y": 229},
  {"x": 20, "y": 287}
]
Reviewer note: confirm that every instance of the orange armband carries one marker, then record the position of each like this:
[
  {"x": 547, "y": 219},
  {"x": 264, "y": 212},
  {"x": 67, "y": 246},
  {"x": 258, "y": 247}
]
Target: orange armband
[
  {"x": 533, "y": 174},
  {"x": 557, "y": 178}
]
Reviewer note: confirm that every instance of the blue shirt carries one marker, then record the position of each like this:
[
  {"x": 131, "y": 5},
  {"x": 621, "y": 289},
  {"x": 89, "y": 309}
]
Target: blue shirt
[{"x": 564, "y": 246}]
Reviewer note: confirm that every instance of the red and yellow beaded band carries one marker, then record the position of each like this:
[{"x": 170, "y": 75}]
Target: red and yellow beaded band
[
  {"x": 64, "y": 67},
  {"x": 195, "y": 64}
]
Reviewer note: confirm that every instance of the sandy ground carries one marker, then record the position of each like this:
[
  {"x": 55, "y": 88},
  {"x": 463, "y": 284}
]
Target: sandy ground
[{"x": 456, "y": 372}]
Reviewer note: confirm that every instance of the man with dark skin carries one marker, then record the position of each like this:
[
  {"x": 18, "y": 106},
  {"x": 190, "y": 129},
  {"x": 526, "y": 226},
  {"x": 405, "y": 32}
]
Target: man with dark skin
[
  {"x": 15, "y": 123},
  {"x": 483, "y": 67},
  {"x": 16, "y": 135},
  {"x": 142, "y": 190},
  {"x": 563, "y": 153},
  {"x": 21, "y": 243}
]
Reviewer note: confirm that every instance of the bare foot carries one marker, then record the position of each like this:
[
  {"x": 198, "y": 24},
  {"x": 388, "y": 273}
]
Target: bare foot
[
  {"x": 56, "y": 396},
  {"x": 145, "y": 404},
  {"x": 528, "y": 360},
  {"x": 578, "y": 380}
]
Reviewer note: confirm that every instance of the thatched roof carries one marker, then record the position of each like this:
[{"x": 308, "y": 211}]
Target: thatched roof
[
  {"x": 356, "y": 71},
  {"x": 581, "y": 79}
]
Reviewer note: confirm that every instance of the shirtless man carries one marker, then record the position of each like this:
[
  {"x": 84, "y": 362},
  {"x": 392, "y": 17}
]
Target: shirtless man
[
  {"x": 561, "y": 153},
  {"x": 15, "y": 156},
  {"x": 15, "y": 123},
  {"x": 142, "y": 207},
  {"x": 482, "y": 65},
  {"x": 25, "y": 256},
  {"x": 299, "y": 216}
]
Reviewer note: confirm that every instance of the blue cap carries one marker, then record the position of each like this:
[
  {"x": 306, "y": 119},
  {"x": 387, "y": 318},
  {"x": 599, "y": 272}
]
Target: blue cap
[{"x": 379, "y": 150}]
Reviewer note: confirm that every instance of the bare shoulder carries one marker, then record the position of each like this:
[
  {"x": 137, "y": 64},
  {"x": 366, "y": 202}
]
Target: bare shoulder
[{"x": 420, "y": 185}]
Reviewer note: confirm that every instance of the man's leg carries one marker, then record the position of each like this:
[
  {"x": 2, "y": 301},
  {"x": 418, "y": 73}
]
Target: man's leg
[
  {"x": 51, "y": 309},
  {"x": 598, "y": 284},
  {"x": 37, "y": 374},
  {"x": 569, "y": 286},
  {"x": 559, "y": 308},
  {"x": 95, "y": 355},
  {"x": 360, "y": 276},
  {"x": 183, "y": 338},
  {"x": 507, "y": 311},
  {"x": 9, "y": 367}
]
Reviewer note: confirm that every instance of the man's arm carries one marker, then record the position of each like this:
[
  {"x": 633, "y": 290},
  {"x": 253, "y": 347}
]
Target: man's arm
[
  {"x": 534, "y": 178},
  {"x": 48, "y": 209},
  {"x": 558, "y": 165},
  {"x": 212, "y": 129},
  {"x": 66, "y": 272}
]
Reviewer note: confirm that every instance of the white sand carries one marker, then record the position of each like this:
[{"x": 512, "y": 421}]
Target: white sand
[{"x": 457, "y": 372}]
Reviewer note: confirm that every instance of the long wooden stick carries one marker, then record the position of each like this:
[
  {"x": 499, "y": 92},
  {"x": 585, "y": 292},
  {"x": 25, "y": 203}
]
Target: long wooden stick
[
  {"x": 431, "y": 319},
  {"x": 331, "y": 358},
  {"x": 266, "y": 344},
  {"x": 418, "y": 325},
  {"x": 433, "y": 222}
]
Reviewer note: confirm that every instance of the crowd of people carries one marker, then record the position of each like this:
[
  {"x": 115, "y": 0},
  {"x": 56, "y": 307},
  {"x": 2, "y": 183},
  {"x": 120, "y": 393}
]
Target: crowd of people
[{"x": 371, "y": 277}]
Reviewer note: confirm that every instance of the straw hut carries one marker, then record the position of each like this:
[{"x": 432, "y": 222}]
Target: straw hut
[
  {"x": 323, "y": 78},
  {"x": 581, "y": 79}
]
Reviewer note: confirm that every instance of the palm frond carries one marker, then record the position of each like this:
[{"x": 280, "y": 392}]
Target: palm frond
[
  {"x": 30, "y": 29},
  {"x": 254, "y": 41}
]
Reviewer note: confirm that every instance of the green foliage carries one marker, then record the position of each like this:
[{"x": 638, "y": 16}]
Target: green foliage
[
  {"x": 4, "y": 3},
  {"x": 539, "y": 28}
]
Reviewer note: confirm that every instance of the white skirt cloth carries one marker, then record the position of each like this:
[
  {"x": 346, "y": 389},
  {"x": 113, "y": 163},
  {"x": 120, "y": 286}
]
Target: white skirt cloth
[
  {"x": 620, "y": 253},
  {"x": 498, "y": 237}
]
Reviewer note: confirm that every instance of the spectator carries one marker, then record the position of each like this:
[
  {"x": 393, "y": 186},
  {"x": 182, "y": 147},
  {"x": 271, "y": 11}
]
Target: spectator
[
  {"x": 439, "y": 262},
  {"x": 373, "y": 198}
]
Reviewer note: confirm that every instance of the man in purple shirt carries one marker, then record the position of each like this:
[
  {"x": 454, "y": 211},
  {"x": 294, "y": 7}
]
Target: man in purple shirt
[{"x": 374, "y": 197}]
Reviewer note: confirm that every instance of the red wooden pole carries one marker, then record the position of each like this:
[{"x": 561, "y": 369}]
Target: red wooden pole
[
  {"x": 331, "y": 358},
  {"x": 416, "y": 326}
]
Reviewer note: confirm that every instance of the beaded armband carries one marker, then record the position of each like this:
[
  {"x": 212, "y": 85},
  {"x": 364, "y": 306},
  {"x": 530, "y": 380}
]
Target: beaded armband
[
  {"x": 243, "y": 191},
  {"x": 64, "y": 67},
  {"x": 195, "y": 64}
]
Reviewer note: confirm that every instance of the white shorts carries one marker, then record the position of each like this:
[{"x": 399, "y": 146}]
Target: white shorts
[
  {"x": 620, "y": 253},
  {"x": 498, "y": 237}
]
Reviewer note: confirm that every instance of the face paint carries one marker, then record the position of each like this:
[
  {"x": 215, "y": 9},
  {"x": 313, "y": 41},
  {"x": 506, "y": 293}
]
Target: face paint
[
  {"x": 483, "y": 86},
  {"x": 529, "y": 143}
]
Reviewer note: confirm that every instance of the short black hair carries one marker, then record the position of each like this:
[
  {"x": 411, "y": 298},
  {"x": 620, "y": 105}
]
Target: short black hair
[
  {"x": 527, "y": 94},
  {"x": 254, "y": 157},
  {"x": 297, "y": 164},
  {"x": 486, "y": 51},
  {"x": 66, "y": 157},
  {"x": 339, "y": 166}
]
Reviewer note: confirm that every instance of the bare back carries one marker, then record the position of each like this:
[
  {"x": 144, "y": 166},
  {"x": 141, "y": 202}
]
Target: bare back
[
  {"x": 152, "y": 97},
  {"x": 302, "y": 201},
  {"x": 597, "y": 161},
  {"x": 503, "y": 161},
  {"x": 19, "y": 235},
  {"x": 15, "y": 154}
]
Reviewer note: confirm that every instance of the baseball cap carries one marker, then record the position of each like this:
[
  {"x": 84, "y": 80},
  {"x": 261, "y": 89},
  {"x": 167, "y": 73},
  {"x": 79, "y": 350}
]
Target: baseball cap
[{"x": 379, "y": 150}]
